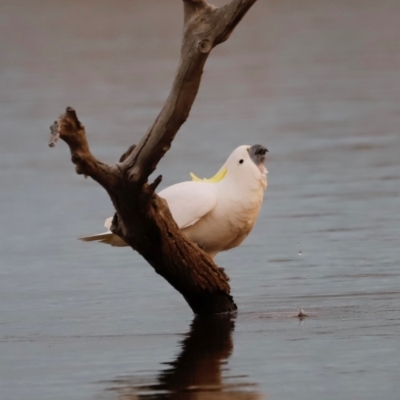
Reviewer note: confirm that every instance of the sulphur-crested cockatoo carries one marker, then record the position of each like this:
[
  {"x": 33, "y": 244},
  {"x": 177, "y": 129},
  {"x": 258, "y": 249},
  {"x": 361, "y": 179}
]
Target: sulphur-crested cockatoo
[{"x": 216, "y": 213}]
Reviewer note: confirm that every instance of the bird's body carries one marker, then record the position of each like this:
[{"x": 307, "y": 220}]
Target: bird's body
[{"x": 216, "y": 213}]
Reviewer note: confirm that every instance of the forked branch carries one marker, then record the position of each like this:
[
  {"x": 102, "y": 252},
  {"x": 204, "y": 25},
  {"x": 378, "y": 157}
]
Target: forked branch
[
  {"x": 142, "y": 218},
  {"x": 205, "y": 26}
]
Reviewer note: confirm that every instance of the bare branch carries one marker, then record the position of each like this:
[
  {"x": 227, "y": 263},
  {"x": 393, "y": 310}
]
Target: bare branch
[
  {"x": 156, "y": 182},
  {"x": 231, "y": 14},
  {"x": 71, "y": 131},
  {"x": 205, "y": 27}
]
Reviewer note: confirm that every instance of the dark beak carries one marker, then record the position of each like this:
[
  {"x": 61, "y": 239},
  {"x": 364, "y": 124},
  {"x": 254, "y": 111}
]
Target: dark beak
[{"x": 257, "y": 154}]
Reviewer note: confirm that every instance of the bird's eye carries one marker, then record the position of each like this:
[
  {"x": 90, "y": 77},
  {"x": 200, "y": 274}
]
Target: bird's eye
[{"x": 241, "y": 162}]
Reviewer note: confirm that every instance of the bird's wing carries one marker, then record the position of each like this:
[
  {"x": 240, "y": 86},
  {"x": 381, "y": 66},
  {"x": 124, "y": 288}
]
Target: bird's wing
[{"x": 189, "y": 201}]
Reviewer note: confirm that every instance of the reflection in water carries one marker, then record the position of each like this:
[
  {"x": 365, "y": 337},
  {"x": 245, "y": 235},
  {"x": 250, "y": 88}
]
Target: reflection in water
[{"x": 196, "y": 373}]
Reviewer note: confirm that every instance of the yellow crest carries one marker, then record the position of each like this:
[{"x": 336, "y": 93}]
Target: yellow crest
[{"x": 216, "y": 178}]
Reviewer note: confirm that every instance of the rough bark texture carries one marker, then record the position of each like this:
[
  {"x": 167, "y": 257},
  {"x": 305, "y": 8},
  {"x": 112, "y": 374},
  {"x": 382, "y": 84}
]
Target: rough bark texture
[{"x": 142, "y": 218}]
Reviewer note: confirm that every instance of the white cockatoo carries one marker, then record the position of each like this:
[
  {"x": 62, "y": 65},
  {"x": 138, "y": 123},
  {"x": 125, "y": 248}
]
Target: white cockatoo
[{"x": 217, "y": 213}]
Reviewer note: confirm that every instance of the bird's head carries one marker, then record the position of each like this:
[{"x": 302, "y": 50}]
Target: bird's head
[
  {"x": 244, "y": 158},
  {"x": 258, "y": 155},
  {"x": 244, "y": 162}
]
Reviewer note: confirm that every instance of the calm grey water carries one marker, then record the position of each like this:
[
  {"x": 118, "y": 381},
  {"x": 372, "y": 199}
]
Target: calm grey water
[{"x": 317, "y": 82}]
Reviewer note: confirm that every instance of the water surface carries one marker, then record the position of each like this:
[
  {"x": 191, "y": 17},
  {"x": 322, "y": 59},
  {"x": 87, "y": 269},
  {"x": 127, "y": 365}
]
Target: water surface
[{"x": 317, "y": 82}]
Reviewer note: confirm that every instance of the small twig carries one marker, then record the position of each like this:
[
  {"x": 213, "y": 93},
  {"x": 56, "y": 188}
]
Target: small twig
[
  {"x": 70, "y": 130},
  {"x": 156, "y": 182}
]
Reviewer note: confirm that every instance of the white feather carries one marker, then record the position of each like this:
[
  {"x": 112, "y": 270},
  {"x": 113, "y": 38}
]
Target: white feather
[
  {"x": 189, "y": 201},
  {"x": 217, "y": 214}
]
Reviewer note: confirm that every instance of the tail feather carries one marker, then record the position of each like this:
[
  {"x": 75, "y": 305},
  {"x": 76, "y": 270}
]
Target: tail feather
[{"x": 106, "y": 238}]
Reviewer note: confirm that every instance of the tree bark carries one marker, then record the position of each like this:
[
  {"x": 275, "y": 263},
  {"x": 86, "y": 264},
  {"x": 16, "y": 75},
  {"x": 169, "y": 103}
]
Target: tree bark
[{"x": 142, "y": 218}]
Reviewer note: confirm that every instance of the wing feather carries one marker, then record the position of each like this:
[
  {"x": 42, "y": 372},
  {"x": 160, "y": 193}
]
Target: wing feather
[{"x": 189, "y": 201}]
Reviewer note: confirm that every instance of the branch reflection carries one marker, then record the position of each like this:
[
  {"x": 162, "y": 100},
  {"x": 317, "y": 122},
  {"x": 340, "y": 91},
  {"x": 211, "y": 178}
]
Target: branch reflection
[{"x": 198, "y": 372}]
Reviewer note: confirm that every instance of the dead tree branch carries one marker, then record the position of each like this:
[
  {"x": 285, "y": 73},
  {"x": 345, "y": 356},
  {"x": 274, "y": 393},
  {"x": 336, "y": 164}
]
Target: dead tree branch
[
  {"x": 205, "y": 27},
  {"x": 142, "y": 218}
]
